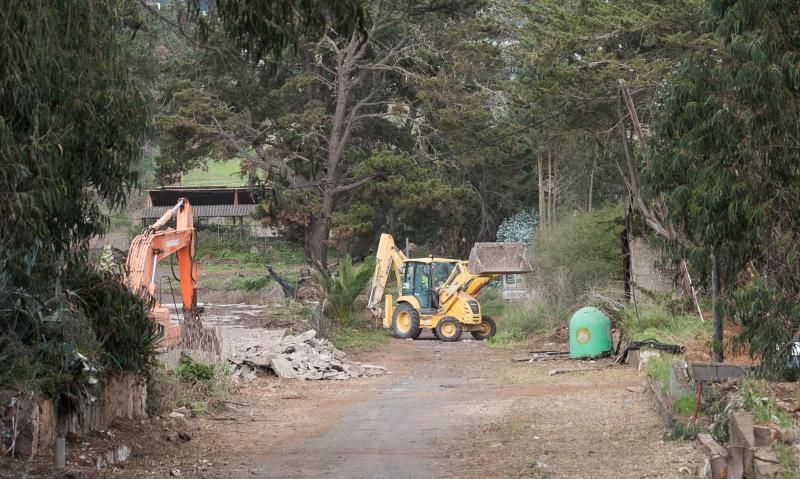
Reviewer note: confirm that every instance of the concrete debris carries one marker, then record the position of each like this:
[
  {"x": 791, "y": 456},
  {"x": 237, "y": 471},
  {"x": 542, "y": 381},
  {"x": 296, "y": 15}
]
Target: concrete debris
[{"x": 304, "y": 356}]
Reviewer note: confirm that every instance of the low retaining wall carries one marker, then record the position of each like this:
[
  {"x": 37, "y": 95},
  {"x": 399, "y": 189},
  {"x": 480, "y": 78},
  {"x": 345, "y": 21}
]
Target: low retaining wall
[{"x": 37, "y": 422}]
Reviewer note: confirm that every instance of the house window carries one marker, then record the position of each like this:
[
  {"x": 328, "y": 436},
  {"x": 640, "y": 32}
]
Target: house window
[{"x": 513, "y": 280}]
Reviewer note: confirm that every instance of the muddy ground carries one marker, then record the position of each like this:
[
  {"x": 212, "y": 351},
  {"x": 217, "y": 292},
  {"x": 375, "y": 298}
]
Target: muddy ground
[{"x": 446, "y": 410}]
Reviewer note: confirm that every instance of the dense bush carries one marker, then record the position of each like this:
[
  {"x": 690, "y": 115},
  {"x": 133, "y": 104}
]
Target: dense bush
[{"x": 577, "y": 254}]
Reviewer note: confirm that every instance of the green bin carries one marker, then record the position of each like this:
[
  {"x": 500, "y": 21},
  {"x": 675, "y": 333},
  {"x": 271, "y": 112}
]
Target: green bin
[{"x": 589, "y": 334}]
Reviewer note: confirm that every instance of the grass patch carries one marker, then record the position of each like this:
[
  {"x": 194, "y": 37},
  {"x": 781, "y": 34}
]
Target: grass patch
[
  {"x": 682, "y": 432},
  {"x": 785, "y": 453},
  {"x": 655, "y": 323},
  {"x": 352, "y": 339},
  {"x": 756, "y": 397},
  {"x": 215, "y": 173},
  {"x": 521, "y": 320},
  {"x": 659, "y": 368},
  {"x": 190, "y": 385},
  {"x": 683, "y": 405}
]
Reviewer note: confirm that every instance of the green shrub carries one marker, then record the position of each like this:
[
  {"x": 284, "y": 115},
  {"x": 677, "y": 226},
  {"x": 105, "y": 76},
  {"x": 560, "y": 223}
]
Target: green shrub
[
  {"x": 577, "y": 254},
  {"x": 190, "y": 385},
  {"x": 342, "y": 289},
  {"x": 192, "y": 371},
  {"x": 683, "y": 405}
]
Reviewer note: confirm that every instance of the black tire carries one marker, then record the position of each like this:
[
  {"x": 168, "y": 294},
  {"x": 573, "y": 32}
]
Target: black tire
[
  {"x": 405, "y": 322},
  {"x": 449, "y": 329},
  {"x": 435, "y": 334},
  {"x": 485, "y": 333}
]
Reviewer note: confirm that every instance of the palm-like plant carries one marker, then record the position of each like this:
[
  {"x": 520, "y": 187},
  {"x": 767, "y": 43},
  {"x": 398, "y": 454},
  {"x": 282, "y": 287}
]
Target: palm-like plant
[{"x": 342, "y": 289}]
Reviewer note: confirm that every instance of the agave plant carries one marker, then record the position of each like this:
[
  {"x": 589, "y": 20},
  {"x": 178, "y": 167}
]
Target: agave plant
[{"x": 342, "y": 288}]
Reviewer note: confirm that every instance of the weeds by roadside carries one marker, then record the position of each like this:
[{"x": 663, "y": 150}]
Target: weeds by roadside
[
  {"x": 189, "y": 385},
  {"x": 656, "y": 323},
  {"x": 521, "y": 320}
]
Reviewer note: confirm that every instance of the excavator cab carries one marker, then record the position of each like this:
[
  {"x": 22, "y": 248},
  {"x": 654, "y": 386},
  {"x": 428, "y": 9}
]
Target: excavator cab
[{"x": 422, "y": 280}]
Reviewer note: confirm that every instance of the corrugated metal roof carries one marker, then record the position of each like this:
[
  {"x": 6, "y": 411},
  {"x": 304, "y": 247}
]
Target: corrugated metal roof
[{"x": 203, "y": 211}]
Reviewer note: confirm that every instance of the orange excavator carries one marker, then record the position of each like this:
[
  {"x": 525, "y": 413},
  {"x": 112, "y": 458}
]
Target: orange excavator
[{"x": 155, "y": 243}]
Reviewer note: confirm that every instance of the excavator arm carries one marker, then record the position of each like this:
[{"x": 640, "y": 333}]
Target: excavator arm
[
  {"x": 156, "y": 243},
  {"x": 388, "y": 259}
]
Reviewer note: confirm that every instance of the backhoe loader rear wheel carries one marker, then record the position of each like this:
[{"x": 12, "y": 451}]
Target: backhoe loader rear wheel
[
  {"x": 449, "y": 329},
  {"x": 488, "y": 328},
  {"x": 405, "y": 322}
]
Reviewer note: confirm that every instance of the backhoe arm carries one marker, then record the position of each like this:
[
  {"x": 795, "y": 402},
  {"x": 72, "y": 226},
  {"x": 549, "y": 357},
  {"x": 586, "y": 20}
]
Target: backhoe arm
[
  {"x": 156, "y": 243},
  {"x": 388, "y": 259}
]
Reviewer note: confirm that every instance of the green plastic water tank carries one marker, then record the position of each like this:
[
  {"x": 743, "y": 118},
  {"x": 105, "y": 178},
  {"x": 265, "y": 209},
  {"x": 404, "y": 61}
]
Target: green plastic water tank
[{"x": 589, "y": 333}]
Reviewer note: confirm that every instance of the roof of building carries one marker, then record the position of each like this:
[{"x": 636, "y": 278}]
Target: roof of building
[
  {"x": 204, "y": 195},
  {"x": 203, "y": 211}
]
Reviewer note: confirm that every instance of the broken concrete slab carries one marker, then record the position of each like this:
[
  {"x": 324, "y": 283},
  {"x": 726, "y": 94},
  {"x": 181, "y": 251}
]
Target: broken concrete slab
[
  {"x": 741, "y": 429},
  {"x": 282, "y": 367},
  {"x": 302, "y": 356},
  {"x": 766, "y": 464}
]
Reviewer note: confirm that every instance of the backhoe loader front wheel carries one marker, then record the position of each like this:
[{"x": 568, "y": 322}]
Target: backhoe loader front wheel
[
  {"x": 449, "y": 329},
  {"x": 405, "y": 322},
  {"x": 487, "y": 329}
]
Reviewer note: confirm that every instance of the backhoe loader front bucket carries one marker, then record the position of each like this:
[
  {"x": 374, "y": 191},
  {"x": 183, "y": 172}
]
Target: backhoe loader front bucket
[{"x": 498, "y": 258}]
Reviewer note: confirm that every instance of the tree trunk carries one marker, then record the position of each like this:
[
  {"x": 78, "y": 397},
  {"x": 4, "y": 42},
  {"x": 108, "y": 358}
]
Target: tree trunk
[
  {"x": 591, "y": 175},
  {"x": 717, "y": 345},
  {"x": 554, "y": 192},
  {"x": 549, "y": 187},
  {"x": 316, "y": 237},
  {"x": 542, "y": 206}
]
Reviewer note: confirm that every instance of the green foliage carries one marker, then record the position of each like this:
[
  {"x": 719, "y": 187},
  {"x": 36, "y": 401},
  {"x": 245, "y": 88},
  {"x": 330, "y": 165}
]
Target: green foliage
[
  {"x": 71, "y": 125},
  {"x": 655, "y": 323},
  {"x": 659, "y": 368},
  {"x": 521, "y": 320},
  {"x": 724, "y": 154},
  {"x": 754, "y": 395},
  {"x": 192, "y": 372},
  {"x": 342, "y": 289},
  {"x": 786, "y": 458},
  {"x": 361, "y": 340},
  {"x": 491, "y": 301},
  {"x": 683, "y": 405},
  {"x": 189, "y": 385},
  {"x": 578, "y": 253},
  {"x": 682, "y": 432}
]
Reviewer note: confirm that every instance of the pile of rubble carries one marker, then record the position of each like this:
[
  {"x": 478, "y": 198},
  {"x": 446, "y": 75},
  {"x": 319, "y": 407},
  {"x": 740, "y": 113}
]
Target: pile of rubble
[{"x": 304, "y": 356}]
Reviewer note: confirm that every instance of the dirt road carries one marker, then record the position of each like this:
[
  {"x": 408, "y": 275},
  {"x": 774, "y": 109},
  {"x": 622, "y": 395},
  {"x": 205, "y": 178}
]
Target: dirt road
[{"x": 447, "y": 410}]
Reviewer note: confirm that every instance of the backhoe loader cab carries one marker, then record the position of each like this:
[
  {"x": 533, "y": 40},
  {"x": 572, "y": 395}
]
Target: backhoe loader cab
[{"x": 439, "y": 293}]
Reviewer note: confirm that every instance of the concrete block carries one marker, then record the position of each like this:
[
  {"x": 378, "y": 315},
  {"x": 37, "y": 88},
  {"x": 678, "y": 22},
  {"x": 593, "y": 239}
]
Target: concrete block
[
  {"x": 763, "y": 435},
  {"x": 713, "y": 372},
  {"x": 741, "y": 428},
  {"x": 680, "y": 384}
]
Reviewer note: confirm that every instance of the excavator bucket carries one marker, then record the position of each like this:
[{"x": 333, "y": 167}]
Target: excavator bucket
[{"x": 498, "y": 258}]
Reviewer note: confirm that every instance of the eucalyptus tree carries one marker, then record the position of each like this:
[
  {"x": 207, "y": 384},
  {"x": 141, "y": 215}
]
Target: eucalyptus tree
[{"x": 725, "y": 153}]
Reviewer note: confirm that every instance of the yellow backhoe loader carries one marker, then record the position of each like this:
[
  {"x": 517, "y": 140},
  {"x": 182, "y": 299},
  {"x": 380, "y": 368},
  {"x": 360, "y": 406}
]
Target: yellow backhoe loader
[{"x": 439, "y": 293}]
